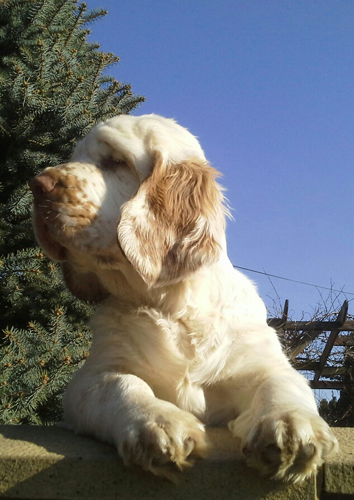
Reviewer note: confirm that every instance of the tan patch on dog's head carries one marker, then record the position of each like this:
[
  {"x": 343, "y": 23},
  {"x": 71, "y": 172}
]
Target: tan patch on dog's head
[
  {"x": 172, "y": 226},
  {"x": 67, "y": 198}
]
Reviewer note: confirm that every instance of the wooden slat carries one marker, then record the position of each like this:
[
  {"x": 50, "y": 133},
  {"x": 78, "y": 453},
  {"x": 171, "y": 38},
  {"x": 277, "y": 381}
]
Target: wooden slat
[
  {"x": 278, "y": 323},
  {"x": 326, "y": 352},
  {"x": 331, "y": 339},
  {"x": 315, "y": 365},
  {"x": 324, "y": 326},
  {"x": 303, "y": 342},
  {"x": 322, "y": 384}
]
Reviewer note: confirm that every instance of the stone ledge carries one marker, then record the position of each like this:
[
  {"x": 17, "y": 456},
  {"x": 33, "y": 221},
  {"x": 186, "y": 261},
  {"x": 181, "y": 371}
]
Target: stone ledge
[{"x": 52, "y": 463}]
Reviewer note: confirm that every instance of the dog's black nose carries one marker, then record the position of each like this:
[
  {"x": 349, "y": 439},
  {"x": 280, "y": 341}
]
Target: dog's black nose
[{"x": 42, "y": 184}]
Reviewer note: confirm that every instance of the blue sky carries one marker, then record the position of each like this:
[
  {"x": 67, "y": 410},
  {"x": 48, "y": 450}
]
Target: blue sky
[{"x": 268, "y": 88}]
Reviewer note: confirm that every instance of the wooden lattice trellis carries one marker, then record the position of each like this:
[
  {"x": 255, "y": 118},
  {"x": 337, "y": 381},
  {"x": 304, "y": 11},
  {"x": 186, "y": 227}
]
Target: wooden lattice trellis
[{"x": 304, "y": 333}]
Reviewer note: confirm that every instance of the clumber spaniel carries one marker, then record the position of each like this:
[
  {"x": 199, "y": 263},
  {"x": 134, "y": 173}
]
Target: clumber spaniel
[{"x": 180, "y": 339}]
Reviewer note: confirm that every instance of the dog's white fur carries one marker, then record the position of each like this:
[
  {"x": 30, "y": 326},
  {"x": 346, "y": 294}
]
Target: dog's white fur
[{"x": 181, "y": 337}]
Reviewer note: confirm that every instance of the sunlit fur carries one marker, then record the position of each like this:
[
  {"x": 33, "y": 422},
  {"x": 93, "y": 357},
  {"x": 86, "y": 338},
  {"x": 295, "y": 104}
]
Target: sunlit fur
[{"x": 180, "y": 338}]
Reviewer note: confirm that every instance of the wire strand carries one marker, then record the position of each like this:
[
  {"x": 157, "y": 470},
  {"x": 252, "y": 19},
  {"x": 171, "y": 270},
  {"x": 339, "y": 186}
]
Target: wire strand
[{"x": 293, "y": 281}]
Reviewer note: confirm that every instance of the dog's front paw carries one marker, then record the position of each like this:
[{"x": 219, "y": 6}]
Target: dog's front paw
[
  {"x": 164, "y": 441},
  {"x": 287, "y": 446}
]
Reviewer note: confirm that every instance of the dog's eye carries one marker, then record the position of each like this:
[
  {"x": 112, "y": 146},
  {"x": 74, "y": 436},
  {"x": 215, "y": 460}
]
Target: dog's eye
[{"x": 112, "y": 163}]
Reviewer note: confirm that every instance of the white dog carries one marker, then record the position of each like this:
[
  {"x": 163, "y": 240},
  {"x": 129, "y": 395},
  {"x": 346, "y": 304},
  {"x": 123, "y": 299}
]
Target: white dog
[{"x": 180, "y": 340}]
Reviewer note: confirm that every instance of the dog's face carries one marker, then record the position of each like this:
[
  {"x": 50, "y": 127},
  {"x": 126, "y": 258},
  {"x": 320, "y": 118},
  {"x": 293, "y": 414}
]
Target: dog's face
[{"x": 137, "y": 191}]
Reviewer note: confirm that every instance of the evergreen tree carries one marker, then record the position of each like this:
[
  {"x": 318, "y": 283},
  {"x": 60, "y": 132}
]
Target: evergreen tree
[{"x": 53, "y": 89}]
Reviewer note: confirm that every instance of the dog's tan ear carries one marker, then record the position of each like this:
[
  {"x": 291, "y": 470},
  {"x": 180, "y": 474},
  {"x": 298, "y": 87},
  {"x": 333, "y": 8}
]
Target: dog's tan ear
[
  {"x": 85, "y": 286},
  {"x": 175, "y": 223}
]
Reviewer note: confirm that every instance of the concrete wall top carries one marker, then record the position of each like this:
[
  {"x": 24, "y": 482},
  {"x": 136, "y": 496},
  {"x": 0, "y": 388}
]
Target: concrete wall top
[{"x": 52, "y": 463}]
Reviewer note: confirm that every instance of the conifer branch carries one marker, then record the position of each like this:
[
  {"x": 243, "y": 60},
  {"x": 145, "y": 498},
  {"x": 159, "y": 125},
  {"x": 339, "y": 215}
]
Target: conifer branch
[{"x": 81, "y": 10}]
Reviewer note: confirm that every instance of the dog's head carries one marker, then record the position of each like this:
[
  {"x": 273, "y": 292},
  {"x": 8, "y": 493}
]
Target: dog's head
[{"x": 137, "y": 191}]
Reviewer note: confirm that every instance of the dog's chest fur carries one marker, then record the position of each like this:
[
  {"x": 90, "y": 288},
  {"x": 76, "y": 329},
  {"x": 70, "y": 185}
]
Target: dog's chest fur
[{"x": 176, "y": 355}]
